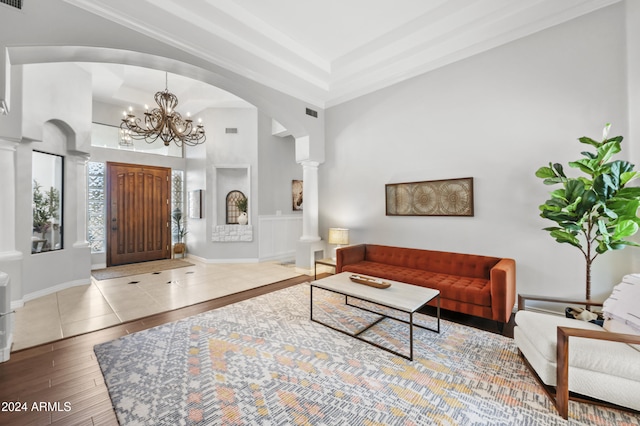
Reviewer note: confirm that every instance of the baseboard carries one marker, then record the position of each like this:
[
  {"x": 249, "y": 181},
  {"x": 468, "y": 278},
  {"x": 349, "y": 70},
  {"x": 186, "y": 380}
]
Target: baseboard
[
  {"x": 6, "y": 351},
  {"x": 204, "y": 260},
  {"x": 282, "y": 257},
  {"x": 54, "y": 289}
]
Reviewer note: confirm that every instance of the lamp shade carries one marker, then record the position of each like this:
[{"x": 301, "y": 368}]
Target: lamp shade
[{"x": 339, "y": 236}]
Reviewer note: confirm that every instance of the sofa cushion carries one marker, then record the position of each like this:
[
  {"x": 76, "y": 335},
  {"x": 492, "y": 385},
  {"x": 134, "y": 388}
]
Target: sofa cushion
[
  {"x": 622, "y": 305},
  {"x": 475, "y": 291},
  {"x": 465, "y": 265},
  {"x": 610, "y": 358}
]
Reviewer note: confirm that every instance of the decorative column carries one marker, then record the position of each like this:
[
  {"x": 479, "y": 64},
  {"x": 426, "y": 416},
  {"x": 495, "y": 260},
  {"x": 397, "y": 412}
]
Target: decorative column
[
  {"x": 310, "y": 211},
  {"x": 310, "y": 246},
  {"x": 81, "y": 201},
  {"x": 8, "y": 193},
  {"x": 10, "y": 257}
]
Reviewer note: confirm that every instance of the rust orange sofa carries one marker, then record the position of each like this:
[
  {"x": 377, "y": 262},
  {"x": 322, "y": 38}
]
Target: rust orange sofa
[{"x": 476, "y": 285}]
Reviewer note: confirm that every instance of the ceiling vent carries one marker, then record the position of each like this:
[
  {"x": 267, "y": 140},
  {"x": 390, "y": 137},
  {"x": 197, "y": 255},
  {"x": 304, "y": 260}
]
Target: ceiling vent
[
  {"x": 231, "y": 130},
  {"x": 14, "y": 3},
  {"x": 312, "y": 113}
]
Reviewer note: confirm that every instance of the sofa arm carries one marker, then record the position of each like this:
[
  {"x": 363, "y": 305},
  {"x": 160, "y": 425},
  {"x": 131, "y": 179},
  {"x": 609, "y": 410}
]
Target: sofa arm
[
  {"x": 503, "y": 289},
  {"x": 562, "y": 369},
  {"x": 349, "y": 254}
]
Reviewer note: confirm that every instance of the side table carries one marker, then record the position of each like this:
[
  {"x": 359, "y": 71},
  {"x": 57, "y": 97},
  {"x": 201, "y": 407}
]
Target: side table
[{"x": 328, "y": 262}]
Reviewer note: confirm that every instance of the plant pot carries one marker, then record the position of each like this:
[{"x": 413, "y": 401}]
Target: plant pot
[
  {"x": 179, "y": 247},
  {"x": 243, "y": 219}
]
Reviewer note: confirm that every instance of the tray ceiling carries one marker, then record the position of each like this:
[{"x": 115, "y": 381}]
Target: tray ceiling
[{"x": 327, "y": 52}]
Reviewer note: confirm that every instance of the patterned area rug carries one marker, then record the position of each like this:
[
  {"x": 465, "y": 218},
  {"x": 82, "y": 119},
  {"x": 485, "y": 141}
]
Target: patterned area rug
[
  {"x": 263, "y": 362},
  {"x": 138, "y": 268}
]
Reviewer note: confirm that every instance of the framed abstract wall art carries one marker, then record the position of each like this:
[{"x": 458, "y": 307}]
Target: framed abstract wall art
[
  {"x": 296, "y": 195},
  {"x": 447, "y": 197}
]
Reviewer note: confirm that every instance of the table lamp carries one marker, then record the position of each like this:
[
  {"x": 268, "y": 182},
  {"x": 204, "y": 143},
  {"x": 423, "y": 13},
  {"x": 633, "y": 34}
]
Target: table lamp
[{"x": 338, "y": 236}]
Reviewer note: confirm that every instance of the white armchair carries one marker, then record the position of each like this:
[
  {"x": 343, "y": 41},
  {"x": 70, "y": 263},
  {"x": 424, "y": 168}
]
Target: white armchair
[{"x": 603, "y": 363}]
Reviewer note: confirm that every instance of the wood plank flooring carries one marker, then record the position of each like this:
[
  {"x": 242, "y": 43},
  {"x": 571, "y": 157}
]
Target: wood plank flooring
[
  {"x": 64, "y": 381},
  {"x": 67, "y": 372}
]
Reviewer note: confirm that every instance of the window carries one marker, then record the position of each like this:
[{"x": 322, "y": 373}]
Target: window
[
  {"x": 106, "y": 136},
  {"x": 232, "y": 206},
  {"x": 178, "y": 216},
  {"x": 47, "y": 189}
]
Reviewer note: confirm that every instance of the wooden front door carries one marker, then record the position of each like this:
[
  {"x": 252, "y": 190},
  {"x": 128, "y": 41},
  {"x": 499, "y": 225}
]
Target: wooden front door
[{"x": 138, "y": 213}]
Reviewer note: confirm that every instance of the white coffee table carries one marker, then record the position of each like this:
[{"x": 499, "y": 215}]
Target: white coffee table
[{"x": 402, "y": 297}]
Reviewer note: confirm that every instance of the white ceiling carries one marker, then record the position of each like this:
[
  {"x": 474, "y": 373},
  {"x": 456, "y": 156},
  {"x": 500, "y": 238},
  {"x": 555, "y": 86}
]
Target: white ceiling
[
  {"x": 329, "y": 51},
  {"x": 126, "y": 85}
]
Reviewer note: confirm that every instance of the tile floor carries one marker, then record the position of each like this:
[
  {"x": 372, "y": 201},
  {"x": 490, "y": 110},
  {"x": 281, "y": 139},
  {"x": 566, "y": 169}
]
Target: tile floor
[{"x": 105, "y": 303}]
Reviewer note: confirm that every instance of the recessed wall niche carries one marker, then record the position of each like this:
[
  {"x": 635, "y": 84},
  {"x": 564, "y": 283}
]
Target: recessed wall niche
[{"x": 229, "y": 178}]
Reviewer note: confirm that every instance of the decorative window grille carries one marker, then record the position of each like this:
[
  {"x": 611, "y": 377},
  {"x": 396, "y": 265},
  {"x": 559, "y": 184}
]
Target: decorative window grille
[
  {"x": 13, "y": 3},
  {"x": 177, "y": 202},
  {"x": 232, "y": 209},
  {"x": 96, "y": 207}
]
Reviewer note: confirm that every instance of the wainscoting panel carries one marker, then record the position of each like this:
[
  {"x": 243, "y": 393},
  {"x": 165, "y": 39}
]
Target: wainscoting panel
[{"x": 278, "y": 236}]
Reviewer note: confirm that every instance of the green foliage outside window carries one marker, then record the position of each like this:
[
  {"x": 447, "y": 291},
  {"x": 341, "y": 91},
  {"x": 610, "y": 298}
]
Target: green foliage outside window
[{"x": 46, "y": 206}]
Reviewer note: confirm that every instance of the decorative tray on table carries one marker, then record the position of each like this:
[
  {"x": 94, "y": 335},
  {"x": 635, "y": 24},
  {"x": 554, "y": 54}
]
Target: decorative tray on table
[{"x": 373, "y": 282}]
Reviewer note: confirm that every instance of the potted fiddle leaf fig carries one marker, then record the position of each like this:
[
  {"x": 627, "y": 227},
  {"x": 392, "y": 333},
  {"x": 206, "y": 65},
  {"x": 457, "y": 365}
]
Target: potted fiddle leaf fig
[
  {"x": 596, "y": 212},
  {"x": 181, "y": 231},
  {"x": 243, "y": 204}
]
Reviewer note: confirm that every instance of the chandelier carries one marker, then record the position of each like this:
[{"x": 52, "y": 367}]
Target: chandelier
[{"x": 163, "y": 122}]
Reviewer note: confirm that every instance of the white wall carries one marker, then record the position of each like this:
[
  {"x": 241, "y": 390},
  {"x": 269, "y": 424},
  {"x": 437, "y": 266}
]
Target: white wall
[
  {"x": 277, "y": 168},
  {"x": 496, "y": 117},
  {"x": 632, "y": 139},
  {"x": 60, "y": 129},
  {"x": 57, "y": 91},
  {"x": 225, "y": 150}
]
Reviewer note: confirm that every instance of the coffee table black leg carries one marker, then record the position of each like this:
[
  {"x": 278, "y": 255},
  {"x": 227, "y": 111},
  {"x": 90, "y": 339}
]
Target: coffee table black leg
[
  {"x": 438, "y": 313},
  {"x": 311, "y": 304},
  {"x": 411, "y": 336}
]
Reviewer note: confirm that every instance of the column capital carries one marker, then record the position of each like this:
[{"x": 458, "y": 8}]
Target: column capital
[{"x": 309, "y": 164}]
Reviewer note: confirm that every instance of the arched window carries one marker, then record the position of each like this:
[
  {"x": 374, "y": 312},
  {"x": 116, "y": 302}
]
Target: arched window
[{"x": 232, "y": 208}]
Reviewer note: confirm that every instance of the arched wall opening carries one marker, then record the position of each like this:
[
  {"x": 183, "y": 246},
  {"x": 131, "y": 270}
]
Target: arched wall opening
[{"x": 288, "y": 111}]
